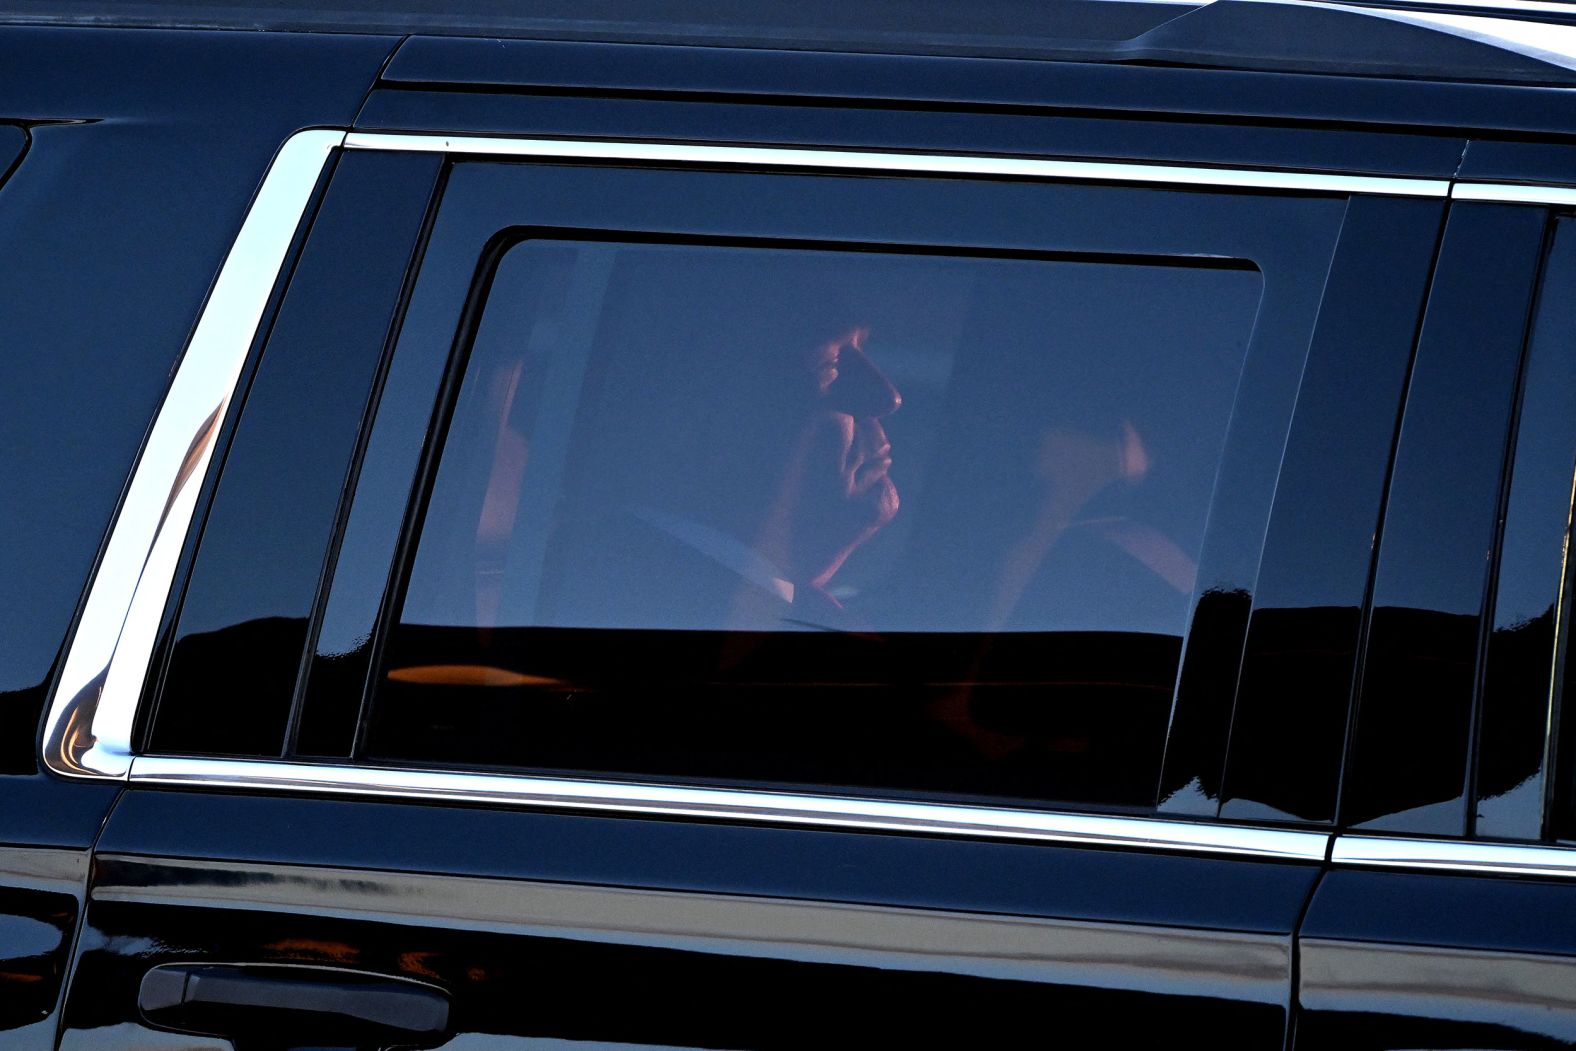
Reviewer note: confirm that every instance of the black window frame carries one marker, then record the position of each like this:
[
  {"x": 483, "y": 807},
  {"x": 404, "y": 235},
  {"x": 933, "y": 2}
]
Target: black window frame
[
  {"x": 1523, "y": 704},
  {"x": 1473, "y": 547}
]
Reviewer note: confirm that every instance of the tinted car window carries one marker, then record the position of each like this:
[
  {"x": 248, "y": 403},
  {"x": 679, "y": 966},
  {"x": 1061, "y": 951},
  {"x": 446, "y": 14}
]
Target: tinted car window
[
  {"x": 868, "y": 519},
  {"x": 1521, "y": 680},
  {"x": 249, "y": 598}
]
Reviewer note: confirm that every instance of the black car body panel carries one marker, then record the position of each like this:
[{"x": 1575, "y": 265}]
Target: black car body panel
[
  {"x": 1359, "y": 830},
  {"x": 527, "y": 918}
]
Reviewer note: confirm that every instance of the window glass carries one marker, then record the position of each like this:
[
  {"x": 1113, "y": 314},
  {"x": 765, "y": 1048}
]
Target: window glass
[
  {"x": 1519, "y": 680},
  {"x": 864, "y": 520}
]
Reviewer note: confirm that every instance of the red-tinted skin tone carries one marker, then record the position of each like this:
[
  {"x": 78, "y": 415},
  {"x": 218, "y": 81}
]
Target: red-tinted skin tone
[{"x": 836, "y": 491}]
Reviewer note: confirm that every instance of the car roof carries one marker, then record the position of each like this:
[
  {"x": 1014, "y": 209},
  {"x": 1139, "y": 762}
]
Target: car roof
[
  {"x": 1503, "y": 41},
  {"x": 1492, "y": 71}
]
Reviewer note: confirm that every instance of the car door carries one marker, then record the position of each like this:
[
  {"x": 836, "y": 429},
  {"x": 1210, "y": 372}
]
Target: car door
[
  {"x": 1446, "y": 920},
  {"x": 683, "y": 594}
]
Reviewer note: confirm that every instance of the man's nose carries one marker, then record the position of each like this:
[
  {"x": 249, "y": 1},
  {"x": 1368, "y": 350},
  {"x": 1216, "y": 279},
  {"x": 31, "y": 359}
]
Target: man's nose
[{"x": 861, "y": 389}]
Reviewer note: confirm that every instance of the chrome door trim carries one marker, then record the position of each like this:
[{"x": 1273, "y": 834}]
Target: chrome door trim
[
  {"x": 1469, "y": 857},
  {"x": 877, "y": 161},
  {"x": 944, "y": 819},
  {"x": 88, "y": 728},
  {"x": 1513, "y": 193}
]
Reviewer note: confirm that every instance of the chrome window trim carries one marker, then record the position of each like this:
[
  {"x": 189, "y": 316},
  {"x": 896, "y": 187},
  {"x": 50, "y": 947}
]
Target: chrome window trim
[
  {"x": 1470, "y": 857},
  {"x": 88, "y": 727},
  {"x": 880, "y": 161},
  {"x": 666, "y": 800},
  {"x": 1514, "y": 193}
]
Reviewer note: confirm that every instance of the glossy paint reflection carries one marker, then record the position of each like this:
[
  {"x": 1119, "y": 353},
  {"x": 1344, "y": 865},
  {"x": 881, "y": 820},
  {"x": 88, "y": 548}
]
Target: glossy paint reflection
[
  {"x": 34, "y": 951},
  {"x": 534, "y": 922},
  {"x": 279, "y": 496},
  {"x": 1392, "y": 959},
  {"x": 133, "y": 1036},
  {"x": 1408, "y": 767},
  {"x": 1293, "y": 695},
  {"x": 534, "y": 959},
  {"x": 1513, "y": 750},
  {"x": 1372, "y": 995},
  {"x": 40, "y": 901}
]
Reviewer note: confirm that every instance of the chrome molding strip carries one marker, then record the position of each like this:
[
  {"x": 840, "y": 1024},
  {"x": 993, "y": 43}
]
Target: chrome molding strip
[
  {"x": 1135, "y": 833},
  {"x": 1513, "y": 193},
  {"x": 873, "y": 161},
  {"x": 88, "y": 730},
  {"x": 1463, "y": 856}
]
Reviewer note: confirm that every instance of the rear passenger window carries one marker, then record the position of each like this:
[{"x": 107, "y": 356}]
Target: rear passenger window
[
  {"x": 1527, "y": 657},
  {"x": 881, "y": 520}
]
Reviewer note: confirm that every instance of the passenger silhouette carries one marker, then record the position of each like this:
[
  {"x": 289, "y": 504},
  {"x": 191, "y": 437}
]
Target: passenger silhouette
[{"x": 730, "y": 496}]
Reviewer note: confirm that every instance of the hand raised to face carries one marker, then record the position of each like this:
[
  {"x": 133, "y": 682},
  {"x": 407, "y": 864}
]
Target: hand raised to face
[{"x": 840, "y": 484}]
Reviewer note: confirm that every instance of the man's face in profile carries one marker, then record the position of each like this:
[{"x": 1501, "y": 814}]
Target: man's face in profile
[
  {"x": 838, "y": 490},
  {"x": 759, "y": 418}
]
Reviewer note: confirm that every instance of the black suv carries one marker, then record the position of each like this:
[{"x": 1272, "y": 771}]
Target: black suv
[{"x": 705, "y": 525}]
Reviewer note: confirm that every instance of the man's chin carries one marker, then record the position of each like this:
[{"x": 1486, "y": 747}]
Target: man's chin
[{"x": 885, "y": 502}]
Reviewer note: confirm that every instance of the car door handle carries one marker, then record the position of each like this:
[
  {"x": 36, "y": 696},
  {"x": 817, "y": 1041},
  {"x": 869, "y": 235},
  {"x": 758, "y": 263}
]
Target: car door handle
[{"x": 294, "y": 1003}]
